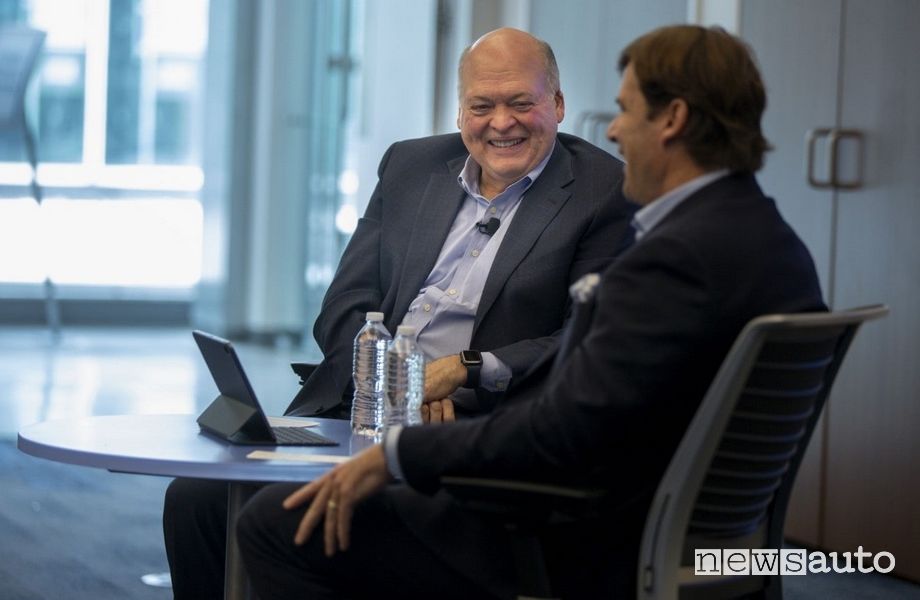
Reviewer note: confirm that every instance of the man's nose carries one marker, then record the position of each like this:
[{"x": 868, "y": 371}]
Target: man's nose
[
  {"x": 612, "y": 129},
  {"x": 503, "y": 119}
]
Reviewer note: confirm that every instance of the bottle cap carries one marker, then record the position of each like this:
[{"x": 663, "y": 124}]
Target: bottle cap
[
  {"x": 405, "y": 330},
  {"x": 374, "y": 316}
]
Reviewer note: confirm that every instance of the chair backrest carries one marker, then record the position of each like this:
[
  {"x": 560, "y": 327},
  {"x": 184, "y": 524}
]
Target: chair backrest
[
  {"x": 19, "y": 50},
  {"x": 729, "y": 481}
]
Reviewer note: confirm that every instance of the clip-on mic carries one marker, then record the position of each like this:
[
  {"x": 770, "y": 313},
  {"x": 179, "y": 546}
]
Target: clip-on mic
[{"x": 490, "y": 227}]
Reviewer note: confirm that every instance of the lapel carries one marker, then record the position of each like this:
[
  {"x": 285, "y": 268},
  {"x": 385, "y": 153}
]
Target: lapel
[
  {"x": 438, "y": 207},
  {"x": 539, "y": 206}
]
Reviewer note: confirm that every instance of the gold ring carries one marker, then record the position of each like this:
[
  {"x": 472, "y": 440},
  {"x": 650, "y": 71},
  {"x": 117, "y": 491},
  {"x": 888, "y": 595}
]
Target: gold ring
[{"x": 331, "y": 505}]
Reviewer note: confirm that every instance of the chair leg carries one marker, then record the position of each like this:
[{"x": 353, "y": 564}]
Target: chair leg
[
  {"x": 530, "y": 566},
  {"x": 773, "y": 589}
]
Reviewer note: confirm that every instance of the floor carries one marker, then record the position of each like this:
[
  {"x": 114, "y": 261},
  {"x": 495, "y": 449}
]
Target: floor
[
  {"x": 96, "y": 371},
  {"x": 100, "y": 371},
  {"x": 105, "y": 371}
]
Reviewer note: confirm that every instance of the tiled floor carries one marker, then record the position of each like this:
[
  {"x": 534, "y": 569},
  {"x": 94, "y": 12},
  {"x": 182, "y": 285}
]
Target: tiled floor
[{"x": 97, "y": 371}]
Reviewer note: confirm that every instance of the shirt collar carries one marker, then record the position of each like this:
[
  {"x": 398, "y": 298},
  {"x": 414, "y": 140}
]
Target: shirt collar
[
  {"x": 652, "y": 213},
  {"x": 469, "y": 176}
]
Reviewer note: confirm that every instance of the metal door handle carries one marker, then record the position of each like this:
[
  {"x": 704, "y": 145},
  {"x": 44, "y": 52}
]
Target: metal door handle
[
  {"x": 589, "y": 121},
  {"x": 835, "y": 137},
  {"x": 811, "y": 138}
]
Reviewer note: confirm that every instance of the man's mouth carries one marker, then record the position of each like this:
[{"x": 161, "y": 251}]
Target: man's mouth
[{"x": 506, "y": 143}]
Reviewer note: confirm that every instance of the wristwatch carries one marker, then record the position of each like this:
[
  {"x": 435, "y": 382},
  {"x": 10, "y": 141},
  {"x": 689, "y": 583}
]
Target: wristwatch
[{"x": 472, "y": 360}]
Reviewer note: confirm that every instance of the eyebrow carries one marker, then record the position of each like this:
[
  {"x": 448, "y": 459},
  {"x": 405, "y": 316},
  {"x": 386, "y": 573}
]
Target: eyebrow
[{"x": 520, "y": 96}]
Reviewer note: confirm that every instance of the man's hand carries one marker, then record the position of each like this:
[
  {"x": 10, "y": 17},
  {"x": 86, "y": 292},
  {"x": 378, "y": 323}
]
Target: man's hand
[
  {"x": 443, "y": 376},
  {"x": 438, "y": 411},
  {"x": 335, "y": 496}
]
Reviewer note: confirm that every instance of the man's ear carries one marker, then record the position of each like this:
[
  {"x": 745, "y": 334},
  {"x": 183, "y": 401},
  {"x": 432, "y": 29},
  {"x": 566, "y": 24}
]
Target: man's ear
[
  {"x": 560, "y": 106},
  {"x": 676, "y": 114}
]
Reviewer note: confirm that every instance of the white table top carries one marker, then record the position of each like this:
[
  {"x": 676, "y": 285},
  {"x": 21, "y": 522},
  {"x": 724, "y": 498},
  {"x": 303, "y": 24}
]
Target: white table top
[{"x": 172, "y": 445}]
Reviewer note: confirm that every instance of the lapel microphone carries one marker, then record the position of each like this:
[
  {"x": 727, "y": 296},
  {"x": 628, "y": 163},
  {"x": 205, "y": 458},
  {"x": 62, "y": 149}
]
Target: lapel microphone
[{"x": 490, "y": 227}]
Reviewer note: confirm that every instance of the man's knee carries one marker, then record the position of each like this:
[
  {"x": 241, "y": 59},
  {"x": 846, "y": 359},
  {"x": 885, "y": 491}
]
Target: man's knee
[
  {"x": 265, "y": 507},
  {"x": 195, "y": 500},
  {"x": 264, "y": 524}
]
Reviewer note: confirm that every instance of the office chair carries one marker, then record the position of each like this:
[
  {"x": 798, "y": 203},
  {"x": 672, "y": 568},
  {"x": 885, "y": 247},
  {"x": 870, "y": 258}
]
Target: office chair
[
  {"x": 729, "y": 481},
  {"x": 303, "y": 370}
]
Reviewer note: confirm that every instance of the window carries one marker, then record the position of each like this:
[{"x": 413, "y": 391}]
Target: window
[{"x": 115, "y": 106}]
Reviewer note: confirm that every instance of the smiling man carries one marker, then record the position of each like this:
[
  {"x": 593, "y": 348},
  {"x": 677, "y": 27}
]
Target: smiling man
[
  {"x": 510, "y": 106},
  {"x": 472, "y": 238}
]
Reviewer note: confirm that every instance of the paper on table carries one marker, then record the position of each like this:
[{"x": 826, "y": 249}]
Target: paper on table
[
  {"x": 291, "y": 422},
  {"x": 297, "y": 457}
]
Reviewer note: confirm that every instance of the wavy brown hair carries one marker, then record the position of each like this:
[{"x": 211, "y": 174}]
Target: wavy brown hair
[{"x": 715, "y": 74}]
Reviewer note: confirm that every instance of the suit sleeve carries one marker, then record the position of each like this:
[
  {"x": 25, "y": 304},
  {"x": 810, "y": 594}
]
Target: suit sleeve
[
  {"x": 625, "y": 392},
  {"x": 355, "y": 289}
]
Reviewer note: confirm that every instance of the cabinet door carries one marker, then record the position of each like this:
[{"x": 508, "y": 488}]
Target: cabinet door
[
  {"x": 873, "y": 467},
  {"x": 796, "y": 44},
  {"x": 587, "y": 37}
]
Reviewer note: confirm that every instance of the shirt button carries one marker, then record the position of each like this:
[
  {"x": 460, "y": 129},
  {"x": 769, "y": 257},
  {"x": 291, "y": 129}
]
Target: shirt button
[
  {"x": 475, "y": 253},
  {"x": 493, "y": 210},
  {"x": 452, "y": 292},
  {"x": 500, "y": 385},
  {"x": 427, "y": 308}
]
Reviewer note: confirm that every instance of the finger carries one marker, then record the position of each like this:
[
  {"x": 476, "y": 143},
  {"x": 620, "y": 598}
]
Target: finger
[
  {"x": 426, "y": 413},
  {"x": 302, "y": 494},
  {"x": 329, "y": 526},
  {"x": 343, "y": 523},
  {"x": 312, "y": 516},
  {"x": 447, "y": 410},
  {"x": 436, "y": 411}
]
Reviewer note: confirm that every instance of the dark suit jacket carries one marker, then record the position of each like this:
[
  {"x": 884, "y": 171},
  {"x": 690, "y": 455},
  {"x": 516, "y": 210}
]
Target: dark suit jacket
[
  {"x": 572, "y": 221},
  {"x": 612, "y": 414}
]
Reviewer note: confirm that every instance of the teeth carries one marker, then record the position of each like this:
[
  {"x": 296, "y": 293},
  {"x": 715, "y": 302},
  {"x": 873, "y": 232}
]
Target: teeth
[{"x": 505, "y": 143}]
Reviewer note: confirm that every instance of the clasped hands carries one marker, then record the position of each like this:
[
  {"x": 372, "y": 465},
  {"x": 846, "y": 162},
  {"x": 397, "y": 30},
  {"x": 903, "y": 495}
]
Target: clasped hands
[{"x": 442, "y": 377}]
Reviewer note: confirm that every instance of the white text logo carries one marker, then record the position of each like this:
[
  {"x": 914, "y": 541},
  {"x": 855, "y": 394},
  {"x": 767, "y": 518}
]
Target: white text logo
[{"x": 739, "y": 561}]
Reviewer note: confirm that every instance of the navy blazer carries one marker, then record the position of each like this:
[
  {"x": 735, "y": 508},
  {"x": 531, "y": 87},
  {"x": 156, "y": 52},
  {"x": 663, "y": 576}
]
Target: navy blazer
[
  {"x": 613, "y": 412},
  {"x": 573, "y": 220}
]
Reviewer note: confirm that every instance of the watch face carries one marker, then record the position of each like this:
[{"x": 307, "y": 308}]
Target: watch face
[{"x": 471, "y": 357}]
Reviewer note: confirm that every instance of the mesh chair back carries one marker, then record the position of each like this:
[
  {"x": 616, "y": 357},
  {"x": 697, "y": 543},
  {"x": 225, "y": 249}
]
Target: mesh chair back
[
  {"x": 768, "y": 425},
  {"x": 731, "y": 475}
]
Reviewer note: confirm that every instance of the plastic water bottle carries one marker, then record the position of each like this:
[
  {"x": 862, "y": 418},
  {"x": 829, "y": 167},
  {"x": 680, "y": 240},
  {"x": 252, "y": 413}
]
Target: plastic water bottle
[
  {"x": 368, "y": 372},
  {"x": 405, "y": 379}
]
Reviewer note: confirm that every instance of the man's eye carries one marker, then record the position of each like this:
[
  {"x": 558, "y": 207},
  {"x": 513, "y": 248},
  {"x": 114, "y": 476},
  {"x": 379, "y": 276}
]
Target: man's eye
[
  {"x": 479, "y": 109},
  {"x": 523, "y": 105}
]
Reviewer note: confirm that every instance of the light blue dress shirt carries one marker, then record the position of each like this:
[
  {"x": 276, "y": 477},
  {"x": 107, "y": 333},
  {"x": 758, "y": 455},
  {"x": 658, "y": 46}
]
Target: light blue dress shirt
[{"x": 444, "y": 311}]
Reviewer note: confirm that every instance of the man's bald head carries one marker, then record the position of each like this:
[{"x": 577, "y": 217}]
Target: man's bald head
[{"x": 509, "y": 42}]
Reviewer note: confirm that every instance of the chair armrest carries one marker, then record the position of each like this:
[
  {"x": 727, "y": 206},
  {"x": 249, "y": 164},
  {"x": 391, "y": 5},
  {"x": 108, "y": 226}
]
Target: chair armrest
[
  {"x": 525, "y": 500},
  {"x": 303, "y": 370}
]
